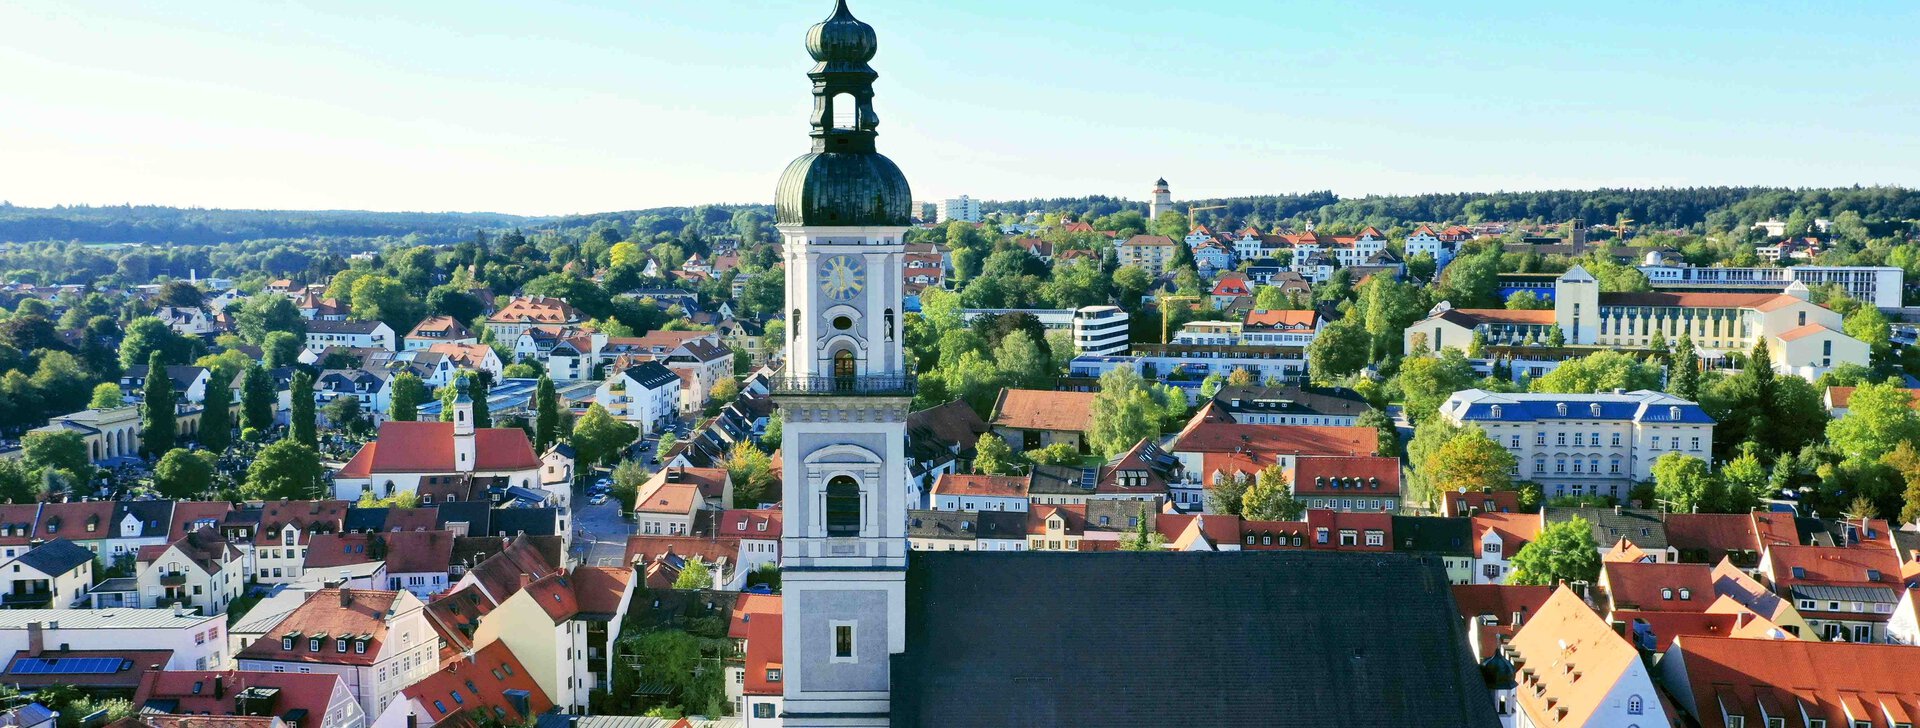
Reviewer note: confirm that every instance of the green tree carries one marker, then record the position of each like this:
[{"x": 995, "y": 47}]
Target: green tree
[
  {"x": 1058, "y": 454},
  {"x": 1745, "y": 482},
  {"x": 1270, "y": 498},
  {"x": 1143, "y": 538},
  {"x": 403, "y": 403},
  {"x": 1338, "y": 350},
  {"x": 1022, "y": 363},
  {"x": 751, "y": 470},
  {"x": 546, "y": 423},
  {"x": 1867, "y": 324},
  {"x": 1527, "y": 301},
  {"x": 1556, "y": 337},
  {"x": 64, "y": 450},
  {"x": 184, "y": 474},
  {"x": 1905, "y": 460},
  {"x": 302, "y": 423},
  {"x": 216, "y": 416},
  {"x": 695, "y": 575},
  {"x": 1601, "y": 371},
  {"x": 992, "y": 456},
  {"x": 1124, "y": 411},
  {"x": 628, "y": 476},
  {"x": 283, "y": 469},
  {"x": 1427, "y": 381},
  {"x": 281, "y": 349},
  {"x": 1468, "y": 462},
  {"x": 1211, "y": 385},
  {"x": 1686, "y": 485},
  {"x": 1563, "y": 551},
  {"x": 1389, "y": 438},
  {"x": 266, "y": 313},
  {"x": 1228, "y": 495},
  {"x": 147, "y": 335},
  {"x": 106, "y": 395},
  {"x": 1879, "y": 417},
  {"x": 383, "y": 299},
  {"x": 157, "y": 425},
  {"x": 598, "y": 437},
  {"x": 257, "y": 400},
  {"x": 345, "y": 413},
  {"x": 661, "y": 448},
  {"x": 1683, "y": 377},
  {"x": 17, "y": 482}
]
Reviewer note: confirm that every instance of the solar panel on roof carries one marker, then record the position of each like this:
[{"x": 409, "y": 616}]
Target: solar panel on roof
[{"x": 66, "y": 665}]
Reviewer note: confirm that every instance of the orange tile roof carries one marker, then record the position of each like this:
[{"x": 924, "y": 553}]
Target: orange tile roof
[
  {"x": 1839, "y": 397},
  {"x": 428, "y": 447},
  {"x": 1567, "y": 632},
  {"x": 1838, "y": 682},
  {"x": 665, "y": 497},
  {"x": 1320, "y": 475},
  {"x": 1035, "y": 409},
  {"x": 1505, "y": 316},
  {"x": 482, "y": 683},
  {"x": 440, "y": 325},
  {"x": 1003, "y": 486},
  {"x": 601, "y": 589},
  {"x": 323, "y": 616},
  {"x": 748, "y": 608},
  {"x": 1278, "y": 317},
  {"x": 1272, "y": 440},
  {"x": 1658, "y": 587},
  {"x": 1514, "y": 529},
  {"x": 1757, "y": 301},
  {"x": 750, "y": 523},
  {"x": 554, "y": 594},
  {"x": 536, "y": 309},
  {"x": 193, "y": 691},
  {"x": 763, "y": 654}
]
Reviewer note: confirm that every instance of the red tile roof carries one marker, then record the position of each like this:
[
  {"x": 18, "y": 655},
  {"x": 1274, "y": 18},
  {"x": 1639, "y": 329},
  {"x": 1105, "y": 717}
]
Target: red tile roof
[
  {"x": 1034, "y": 409},
  {"x": 500, "y": 575},
  {"x": 455, "y": 616},
  {"x": 194, "y": 692},
  {"x": 1835, "y": 566},
  {"x": 1567, "y": 631},
  {"x": 709, "y": 550},
  {"x": 601, "y": 589},
  {"x": 1758, "y": 301},
  {"x": 187, "y": 513},
  {"x": 482, "y": 683},
  {"x": 1281, "y": 318},
  {"x": 748, "y": 608},
  {"x": 763, "y": 654},
  {"x": 1839, "y": 397},
  {"x": 1837, "y": 682},
  {"x": 537, "y": 309},
  {"x": 322, "y": 615},
  {"x": 1658, "y": 587},
  {"x": 1457, "y": 505},
  {"x": 27, "y": 671},
  {"x": 1002, "y": 486},
  {"x": 1665, "y": 626},
  {"x": 554, "y": 594},
  {"x": 1335, "y": 476},
  {"x": 762, "y": 523},
  {"x": 427, "y": 447},
  {"x": 76, "y": 521},
  {"x": 1514, "y": 529},
  {"x": 1500, "y": 601},
  {"x": 1711, "y": 535},
  {"x": 1273, "y": 440}
]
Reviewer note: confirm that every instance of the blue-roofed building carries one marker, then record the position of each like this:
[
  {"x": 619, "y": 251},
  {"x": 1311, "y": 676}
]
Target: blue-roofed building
[{"x": 1586, "y": 444}]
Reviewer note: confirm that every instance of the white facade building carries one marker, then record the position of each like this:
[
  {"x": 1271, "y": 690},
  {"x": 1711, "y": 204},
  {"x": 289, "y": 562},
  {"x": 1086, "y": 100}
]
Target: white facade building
[
  {"x": 1100, "y": 330},
  {"x": 1879, "y": 286},
  {"x": 1586, "y": 444},
  {"x": 962, "y": 208}
]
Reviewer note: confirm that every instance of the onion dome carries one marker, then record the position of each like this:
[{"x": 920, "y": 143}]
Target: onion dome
[
  {"x": 844, "y": 181},
  {"x": 842, "y": 38}
]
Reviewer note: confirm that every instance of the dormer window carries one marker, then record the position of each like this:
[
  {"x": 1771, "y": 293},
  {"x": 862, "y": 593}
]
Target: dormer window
[
  {"x": 286, "y": 643},
  {"x": 1561, "y": 408},
  {"x": 1496, "y": 411},
  {"x": 1686, "y": 594},
  {"x": 1673, "y": 413},
  {"x": 1594, "y": 408},
  {"x": 340, "y": 645},
  {"x": 313, "y": 644}
]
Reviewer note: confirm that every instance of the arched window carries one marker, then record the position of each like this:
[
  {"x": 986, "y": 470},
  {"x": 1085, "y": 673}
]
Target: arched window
[
  {"x": 846, "y": 111},
  {"x": 843, "y": 507},
  {"x": 843, "y": 364},
  {"x": 1634, "y": 706}
]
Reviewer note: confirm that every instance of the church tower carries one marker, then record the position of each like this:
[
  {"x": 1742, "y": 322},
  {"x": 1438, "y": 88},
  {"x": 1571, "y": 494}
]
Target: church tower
[
  {"x": 843, "y": 211},
  {"x": 1162, "y": 200}
]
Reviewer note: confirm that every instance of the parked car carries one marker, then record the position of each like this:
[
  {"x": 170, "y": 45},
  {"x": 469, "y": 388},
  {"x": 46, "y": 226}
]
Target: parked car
[{"x": 597, "y": 499}]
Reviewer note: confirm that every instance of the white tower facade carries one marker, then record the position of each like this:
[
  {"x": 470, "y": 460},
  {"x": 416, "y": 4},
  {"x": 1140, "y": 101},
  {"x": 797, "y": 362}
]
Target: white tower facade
[
  {"x": 1162, "y": 200},
  {"x": 843, "y": 211}
]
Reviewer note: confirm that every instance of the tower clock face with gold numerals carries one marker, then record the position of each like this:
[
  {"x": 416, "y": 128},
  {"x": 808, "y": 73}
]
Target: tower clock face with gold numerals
[{"x": 842, "y": 277}]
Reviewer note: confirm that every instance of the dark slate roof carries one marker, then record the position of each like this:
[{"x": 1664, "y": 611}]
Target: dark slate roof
[
  {"x": 56, "y": 557},
  {"x": 476, "y": 514},
  {"x": 156, "y": 517},
  {"x": 1643, "y": 527},
  {"x": 530, "y": 521},
  {"x": 1275, "y": 641},
  {"x": 651, "y": 374},
  {"x": 365, "y": 520},
  {"x": 1338, "y": 401},
  {"x": 1434, "y": 535}
]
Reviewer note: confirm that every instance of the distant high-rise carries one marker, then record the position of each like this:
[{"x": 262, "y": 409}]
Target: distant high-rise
[
  {"x": 962, "y": 208},
  {"x": 1162, "y": 200}
]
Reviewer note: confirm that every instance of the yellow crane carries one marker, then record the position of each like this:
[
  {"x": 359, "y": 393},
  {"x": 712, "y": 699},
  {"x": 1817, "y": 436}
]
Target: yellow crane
[
  {"x": 1193, "y": 222},
  {"x": 1164, "y": 301}
]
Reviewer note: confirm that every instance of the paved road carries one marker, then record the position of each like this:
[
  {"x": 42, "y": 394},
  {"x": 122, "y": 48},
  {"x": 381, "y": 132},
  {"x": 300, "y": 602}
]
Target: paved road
[{"x": 601, "y": 534}]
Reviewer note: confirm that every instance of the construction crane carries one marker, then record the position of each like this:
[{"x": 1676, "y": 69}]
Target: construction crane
[
  {"x": 1193, "y": 222},
  {"x": 1164, "y": 301}
]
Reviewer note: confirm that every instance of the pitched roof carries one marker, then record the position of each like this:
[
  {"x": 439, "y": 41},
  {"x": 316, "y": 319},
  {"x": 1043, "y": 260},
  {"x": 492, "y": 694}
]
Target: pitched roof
[
  {"x": 1707, "y": 537},
  {"x": 323, "y": 616},
  {"x": 499, "y": 576},
  {"x": 535, "y": 309},
  {"x": 601, "y": 590},
  {"x": 1840, "y": 397},
  {"x": 1002, "y": 486},
  {"x": 1034, "y": 409},
  {"x": 554, "y": 594},
  {"x": 24, "y": 670},
  {"x": 1758, "y": 301},
  {"x": 1658, "y": 587},
  {"x": 56, "y": 557},
  {"x": 1515, "y": 530},
  {"x": 1272, "y": 440},
  {"x": 493, "y": 681},
  {"x": 1346, "y": 475},
  {"x": 1158, "y": 241},
  {"x": 203, "y": 692},
  {"x": 428, "y": 447},
  {"x": 1641, "y": 526},
  {"x": 1566, "y": 631},
  {"x": 1838, "y": 682},
  {"x": 1292, "y": 660},
  {"x": 764, "y": 654},
  {"x": 1281, "y": 317},
  {"x": 442, "y": 328},
  {"x": 749, "y": 523}
]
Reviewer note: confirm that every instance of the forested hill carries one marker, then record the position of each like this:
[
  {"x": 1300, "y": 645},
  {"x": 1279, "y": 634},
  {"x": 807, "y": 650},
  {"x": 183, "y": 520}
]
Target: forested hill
[
  {"x": 196, "y": 226},
  {"x": 1704, "y": 208}
]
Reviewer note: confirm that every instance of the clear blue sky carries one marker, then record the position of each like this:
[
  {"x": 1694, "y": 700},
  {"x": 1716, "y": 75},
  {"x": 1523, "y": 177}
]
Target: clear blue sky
[{"x": 592, "y": 105}]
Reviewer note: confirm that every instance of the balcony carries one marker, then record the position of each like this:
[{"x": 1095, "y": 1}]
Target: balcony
[
  {"x": 176, "y": 578},
  {"x": 889, "y": 385}
]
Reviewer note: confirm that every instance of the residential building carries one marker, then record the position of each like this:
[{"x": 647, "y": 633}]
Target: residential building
[
  {"x": 645, "y": 395},
  {"x": 378, "y": 642},
  {"x": 1493, "y": 612},
  {"x": 308, "y": 701},
  {"x": 962, "y": 208},
  {"x": 956, "y": 492},
  {"x": 1424, "y": 241},
  {"x": 1837, "y": 400},
  {"x": 493, "y": 687},
  {"x": 1464, "y": 504},
  {"x": 1030, "y": 419},
  {"x": 1644, "y": 528},
  {"x": 543, "y": 623},
  {"x": 191, "y": 322},
  {"x": 1100, "y": 330},
  {"x": 1845, "y": 593},
  {"x": 699, "y": 358},
  {"x": 1878, "y": 286},
  {"x": 1498, "y": 538},
  {"x": 438, "y": 330},
  {"x": 1289, "y": 405},
  {"x": 1724, "y": 682},
  {"x": 323, "y": 335},
  {"x": 194, "y": 641},
  {"x": 1804, "y": 339},
  {"x": 1450, "y": 540},
  {"x": 670, "y": 502},
  {"x": 1154, "y": 253},
  {"x": 758, "y": 531},
  {"x": 514, "y": 318},
  {"x": 967, "y": 530},
  {"x": 1585, "y": 444},
  {"x": 471, "y": 356},
  {"x": 1355, "y": 483},
  {"x": 189, "y": 382},
  {"x": 55, "y": 574},
  {"x": 1212, "y": 448},
  {"x": 1571, "y": 669},
  {"x": 276, "y": 536},
  {"x": 1282, "y": 329},
  {"x": 199, "y": 571}
]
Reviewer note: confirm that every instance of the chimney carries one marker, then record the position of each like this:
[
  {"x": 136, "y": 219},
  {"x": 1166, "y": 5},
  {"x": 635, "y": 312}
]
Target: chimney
[
  {"x": 1616, "y": 509},
  {"x": 526, "y": 580},
  {"x": 413, "y": 720},
  {"x": 1517, "y": 617},
  {"x": 219, "y": 686},
  {"x": 179, "y": 610},
  {"x": 36, "y": 639},
  {"x": 346, "y": 596}
]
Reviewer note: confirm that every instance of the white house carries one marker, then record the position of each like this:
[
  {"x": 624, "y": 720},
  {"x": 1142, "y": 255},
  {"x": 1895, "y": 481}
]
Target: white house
[
  {"x": 198, "y": 642},
  {"x": 199, "y": 571},
  {"x": 645, "y": 395},
  {"x": 1586, "y": 444},
  {"x": 405, "y": 452},
  {"x": 378, "y": 642},
  {"x": 323, "y": 335},
  {"x": 55, "y": 574}
]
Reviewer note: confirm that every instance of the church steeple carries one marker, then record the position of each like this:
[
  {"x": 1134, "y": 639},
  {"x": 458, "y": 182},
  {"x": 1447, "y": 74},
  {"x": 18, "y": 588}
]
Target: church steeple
[{"x": 844, "y": 181}]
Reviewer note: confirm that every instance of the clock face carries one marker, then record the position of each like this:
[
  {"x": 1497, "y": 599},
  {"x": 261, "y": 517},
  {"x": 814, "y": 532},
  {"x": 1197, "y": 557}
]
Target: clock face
[{"x": 842, "y": 277}]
